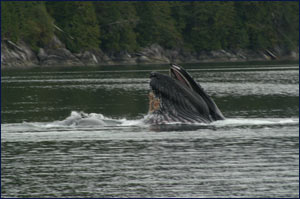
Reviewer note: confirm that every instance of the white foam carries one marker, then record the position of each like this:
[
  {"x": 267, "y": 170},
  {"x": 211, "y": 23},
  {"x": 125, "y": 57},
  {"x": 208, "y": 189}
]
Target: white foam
[
  {"x": 126, "y": 122},
  {"x": 255, "y": 121},
  {"x": 98, "y": 120}
]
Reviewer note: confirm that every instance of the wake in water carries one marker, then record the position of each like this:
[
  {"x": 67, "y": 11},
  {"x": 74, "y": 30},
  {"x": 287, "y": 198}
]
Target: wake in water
[
  {"x": 94, "y": 119},
  {"x": 97, "y": 120}
]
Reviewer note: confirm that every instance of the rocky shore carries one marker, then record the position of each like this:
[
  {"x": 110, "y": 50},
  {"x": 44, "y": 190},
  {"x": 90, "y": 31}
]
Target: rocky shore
[{"x": 16, "y": 55}]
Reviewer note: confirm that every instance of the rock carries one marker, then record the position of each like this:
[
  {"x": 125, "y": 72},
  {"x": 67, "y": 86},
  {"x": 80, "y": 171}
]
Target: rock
[
  {"x": 174, "y": 56},
  {"x": 143, "y": 59},
  {"x": 294, "y": 55},
  {"x": 42, "y": 55},
  {"x": 55, "y": 54},
  {"x": 240, "y": 55},
  {"x": 55, "y": 43},
  {"x": 124, "y": 57},
  {"x": 153, "y": 54},
  {"x": 17, "y": 55},
  {"x": 60, "y": 57},
  {"x": 87, "y": 58}
]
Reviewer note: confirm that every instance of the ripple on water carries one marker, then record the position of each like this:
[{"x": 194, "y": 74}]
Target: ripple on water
[{"x": 254, "y": 153}]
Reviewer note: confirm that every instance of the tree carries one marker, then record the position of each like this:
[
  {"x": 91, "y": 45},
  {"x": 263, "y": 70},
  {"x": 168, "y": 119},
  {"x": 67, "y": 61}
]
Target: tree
[
  {"x": 28, "y": 21},
  {"x": 126, "y": 26},
  {"x": 156, "y": 25},
  {"x": 79, "y": 23},
  {"x": 117, "y": 21},
  {"x": 199, "y": 32},
  {"x": 10, "y": 20}
]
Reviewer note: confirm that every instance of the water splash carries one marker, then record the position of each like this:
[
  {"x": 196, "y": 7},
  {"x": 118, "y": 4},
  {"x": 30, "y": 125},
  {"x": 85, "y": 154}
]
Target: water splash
[
  {"x": 81, "y": 119},
  {"x": 95, "y": 126}
]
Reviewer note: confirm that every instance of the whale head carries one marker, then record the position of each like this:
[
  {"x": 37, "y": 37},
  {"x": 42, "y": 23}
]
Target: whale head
[{"x": 177, "y": 97}]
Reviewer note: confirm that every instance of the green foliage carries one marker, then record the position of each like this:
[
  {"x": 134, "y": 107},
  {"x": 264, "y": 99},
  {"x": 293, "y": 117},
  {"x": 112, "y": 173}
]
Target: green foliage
[
  {"x": 37, "y": 29},
  {"x": 79, "y": 23},
  {"x": 126, "y": 26},
  {"x": 156, "y": 24},
  {"x": 270, "y": 23},
  {"x": 10, "y": 21},
  {"x": 28, "y": 21},
  {"x": 116, "y": 22},
  {"x": 200, "y": 30}
]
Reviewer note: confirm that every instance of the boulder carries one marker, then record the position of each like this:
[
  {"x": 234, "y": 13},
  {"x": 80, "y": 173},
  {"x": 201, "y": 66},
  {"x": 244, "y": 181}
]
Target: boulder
[{"x": 17, "y": 55}]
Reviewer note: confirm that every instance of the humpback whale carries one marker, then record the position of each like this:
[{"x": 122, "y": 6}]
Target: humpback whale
[{"x": 177, "y": 97}]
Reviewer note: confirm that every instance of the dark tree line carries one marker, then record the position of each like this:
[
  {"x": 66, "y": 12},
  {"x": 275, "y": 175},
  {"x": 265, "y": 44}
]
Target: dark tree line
[{"x": 127, "y": 26}]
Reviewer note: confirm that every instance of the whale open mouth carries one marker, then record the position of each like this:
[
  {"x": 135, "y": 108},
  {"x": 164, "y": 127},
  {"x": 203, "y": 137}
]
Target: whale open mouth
[
  {"x": 175, "y": 73},
  {"x": 180, "y": 76},
  {"x": 173, "y": 88},
  {"x": 178, "y": 97}
]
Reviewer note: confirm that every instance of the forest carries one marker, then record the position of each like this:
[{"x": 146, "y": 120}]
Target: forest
[{"x": 127, "y": 26}]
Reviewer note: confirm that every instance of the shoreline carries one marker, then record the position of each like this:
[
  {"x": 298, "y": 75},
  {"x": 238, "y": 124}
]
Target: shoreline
[
  {"x": 258, "y": 62},
  {"x": 20, "y": 55}
]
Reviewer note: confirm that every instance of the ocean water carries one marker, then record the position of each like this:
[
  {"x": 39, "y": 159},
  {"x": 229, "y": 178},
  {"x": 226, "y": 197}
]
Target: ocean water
[{"x": 79, "y": 132}]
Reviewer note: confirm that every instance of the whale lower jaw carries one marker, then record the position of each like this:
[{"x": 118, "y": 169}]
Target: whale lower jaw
[
  {"x": 158, "y": 118},
  {"x": 167, "y": 110}
]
